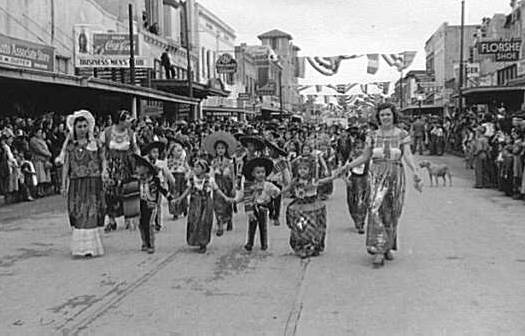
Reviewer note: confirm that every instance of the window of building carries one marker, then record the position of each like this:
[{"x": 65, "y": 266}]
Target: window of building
[
  {"x": 157, "y": 70},
  {"x": 274, "y": 43},
  {"x": 203, "y": 62},
  {"x": 209, "y": 63},
  {"x": 62, "y": 64}
]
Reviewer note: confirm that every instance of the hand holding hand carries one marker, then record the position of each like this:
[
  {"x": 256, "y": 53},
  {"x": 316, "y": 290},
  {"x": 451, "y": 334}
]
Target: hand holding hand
[{"x": 251, "y": 217}]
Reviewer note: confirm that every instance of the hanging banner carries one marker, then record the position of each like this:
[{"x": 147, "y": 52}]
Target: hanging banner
[
  {"x": 505, "y": 50},
  {"x": 25, "y": 54}
]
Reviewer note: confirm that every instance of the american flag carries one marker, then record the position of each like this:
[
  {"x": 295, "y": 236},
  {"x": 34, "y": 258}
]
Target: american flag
[{"x": 401, "y": 61}]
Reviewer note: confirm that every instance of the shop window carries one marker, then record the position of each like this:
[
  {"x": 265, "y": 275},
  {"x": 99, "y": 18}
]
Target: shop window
[{"x": 62, "y": 64}]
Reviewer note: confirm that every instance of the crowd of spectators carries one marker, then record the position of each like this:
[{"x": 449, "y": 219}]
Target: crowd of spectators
[{"x": 491, "y": 141}]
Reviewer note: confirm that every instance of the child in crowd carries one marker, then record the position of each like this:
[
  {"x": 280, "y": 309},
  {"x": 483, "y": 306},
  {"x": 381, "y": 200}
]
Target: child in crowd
[
  {"x": 257, "y": 196},
  {"x": 201, "y": 186},
  {"x": 150, "y": 190}
]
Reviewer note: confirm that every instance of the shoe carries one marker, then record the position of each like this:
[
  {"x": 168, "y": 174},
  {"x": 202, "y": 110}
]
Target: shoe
[
  {"x": 379, "y": 260},
  {"x": 389, "y": 255},
  {"x": 151, "y": 250},
  {"x": 144, "y": 248},
  {"x": 276, "y": 222},
  {"x": 229, "y": 227},
  {"x": 360, "y": 231},
  {"x": 158, "y": 228},
  {"x": 220, "y": 232},
  {"x": 30, "y": 199},
  {"x": 264, "y": 247},
  {"x": 248, "y": 247},
  {"x": 175, "y": 217},
  {"x": 202, "y": 249}
]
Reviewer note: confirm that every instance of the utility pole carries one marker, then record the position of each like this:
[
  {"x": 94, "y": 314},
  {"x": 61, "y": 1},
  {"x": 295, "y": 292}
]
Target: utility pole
[
  {"x": 461, "y": 69},
  {"x": 400, "y": 90},
  {"x": 188, "y": 49},
  {"x": 131, "y": 47}
]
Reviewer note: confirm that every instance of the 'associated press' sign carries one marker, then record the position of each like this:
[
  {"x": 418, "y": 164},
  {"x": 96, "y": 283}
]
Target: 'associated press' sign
[
  {"x": 24, "y": 54},
  {"x": 505, "y": 51}
]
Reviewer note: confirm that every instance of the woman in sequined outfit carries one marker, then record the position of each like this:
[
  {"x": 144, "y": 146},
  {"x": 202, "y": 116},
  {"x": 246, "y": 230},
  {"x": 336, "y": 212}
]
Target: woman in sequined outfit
[
  {"x": 387, "y": 151},
  {"x": 119, "y": 144}
]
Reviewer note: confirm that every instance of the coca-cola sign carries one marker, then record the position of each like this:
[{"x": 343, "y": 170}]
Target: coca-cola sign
[{"x": 114, "y": 44}]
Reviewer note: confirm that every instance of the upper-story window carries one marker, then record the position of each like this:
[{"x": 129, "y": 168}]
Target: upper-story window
[{"x": 274, "y": 43}]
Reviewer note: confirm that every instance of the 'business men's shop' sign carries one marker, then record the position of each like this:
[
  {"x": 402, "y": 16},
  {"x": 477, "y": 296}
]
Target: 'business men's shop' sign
[
  {"x": 106, "y": 50},
  {"x": 25, "y": 54},
  {"x": 505, "y": 50}
]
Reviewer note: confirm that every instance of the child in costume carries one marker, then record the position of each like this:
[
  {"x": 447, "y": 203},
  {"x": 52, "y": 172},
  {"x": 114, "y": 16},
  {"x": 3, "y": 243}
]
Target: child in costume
[
  {"x": 179, "y": 168},
  {"x": 201, "y": 186},
  {"x": 280, "y": 177},
  {"x": 150, "y": 190},
  {"x": 306, "y": 215},
  {"x": 257, "y": 195},
  {"x": 152, "y": 152},
  {"x": 222, "y": 145},
  {"x": 357, "y": 184}
]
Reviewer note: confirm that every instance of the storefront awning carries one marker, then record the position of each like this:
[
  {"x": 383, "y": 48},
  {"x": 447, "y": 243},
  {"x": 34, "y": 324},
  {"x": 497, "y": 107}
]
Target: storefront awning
[
  {"x": 220, "y": 110},
  {"x": 44, "y": 77},
  {"x": 180, "y": 87},
  {"x": 492, "y": 89}
]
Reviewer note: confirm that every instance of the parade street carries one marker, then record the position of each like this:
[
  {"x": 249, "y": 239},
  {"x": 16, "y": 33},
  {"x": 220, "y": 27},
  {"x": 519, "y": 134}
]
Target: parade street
[{"x": 459, "y": 271}]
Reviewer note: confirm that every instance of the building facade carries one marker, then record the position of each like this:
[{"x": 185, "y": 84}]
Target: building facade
[{"x": 281, "y": 43}]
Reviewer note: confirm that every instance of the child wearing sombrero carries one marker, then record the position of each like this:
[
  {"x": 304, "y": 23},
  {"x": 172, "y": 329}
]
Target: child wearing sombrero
[
  {"x": 153, "y": 151},
  {"x": 150, "y": 191},
  {"x": 257, "y": 196}
]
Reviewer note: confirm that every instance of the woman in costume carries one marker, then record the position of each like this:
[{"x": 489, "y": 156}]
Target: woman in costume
[
  {"x": 388, "y": 151},
  {"x": 119, "y": 144},
  {"x": 221, "y": 145},
  {"x": 82, "y": 185}
]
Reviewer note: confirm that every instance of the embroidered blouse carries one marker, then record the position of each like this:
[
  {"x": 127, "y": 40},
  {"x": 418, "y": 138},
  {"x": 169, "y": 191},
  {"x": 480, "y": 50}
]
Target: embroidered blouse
[{"x": 387, "y": 147}]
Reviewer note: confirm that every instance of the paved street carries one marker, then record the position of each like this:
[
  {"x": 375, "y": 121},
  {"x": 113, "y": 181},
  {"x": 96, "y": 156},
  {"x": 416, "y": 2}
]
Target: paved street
[{"x": 459, "y": 271}]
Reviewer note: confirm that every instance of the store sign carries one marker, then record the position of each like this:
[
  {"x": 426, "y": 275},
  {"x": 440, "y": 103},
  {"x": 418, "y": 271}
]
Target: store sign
[
  {"x": 226, "y": 64},
  {"x": 269, "y": 89},
  {"x": 96, "y": 49},
  {"x": 505, "y": 50},
  {"x": 244, "y": 96},
  {"x": 114, "y": 44},
  {"x": 25, "y": 54},
  {"x": 95, "y": 61}
]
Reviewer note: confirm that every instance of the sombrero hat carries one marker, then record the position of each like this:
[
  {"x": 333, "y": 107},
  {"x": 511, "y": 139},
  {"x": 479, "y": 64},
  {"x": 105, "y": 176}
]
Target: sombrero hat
[
  {"x": 248, "y": 168},
  {"x": 70, "y": 121},
  {"x": 256, "y": 140},
  {"x": 142, "y": 161},
  {"x": 155, "y": 144},
  {"x": 211, "y": 141},
  {"x": 276, "y": 148}
]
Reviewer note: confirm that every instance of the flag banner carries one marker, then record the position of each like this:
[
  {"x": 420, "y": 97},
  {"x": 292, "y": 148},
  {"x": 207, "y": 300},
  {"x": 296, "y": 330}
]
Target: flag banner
[
  {"x": 300, "y": 67},
  {"x": 318, "y": 88},
  {"x": 329, "y": 66},
  {"x": 401, "y": 61},
  {"x": 326, "y": 99},
  {"x": 342, "y": 88},
  {"x": 364, "y": 88},
  {"x": 373, "y": 63}
]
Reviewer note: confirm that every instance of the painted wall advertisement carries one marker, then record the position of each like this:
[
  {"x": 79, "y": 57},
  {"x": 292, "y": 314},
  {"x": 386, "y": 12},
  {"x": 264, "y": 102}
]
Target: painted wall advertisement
[
  {"x": 25, "y": 54},
  {"x": 95, "y": 49}
]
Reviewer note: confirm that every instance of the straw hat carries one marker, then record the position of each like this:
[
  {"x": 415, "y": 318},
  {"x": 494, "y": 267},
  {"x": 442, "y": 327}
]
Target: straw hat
[{"x": 210, "y": 142}]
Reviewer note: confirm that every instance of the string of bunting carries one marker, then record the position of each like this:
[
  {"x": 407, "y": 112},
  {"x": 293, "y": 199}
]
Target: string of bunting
[{"x": 329, "y": 66}]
